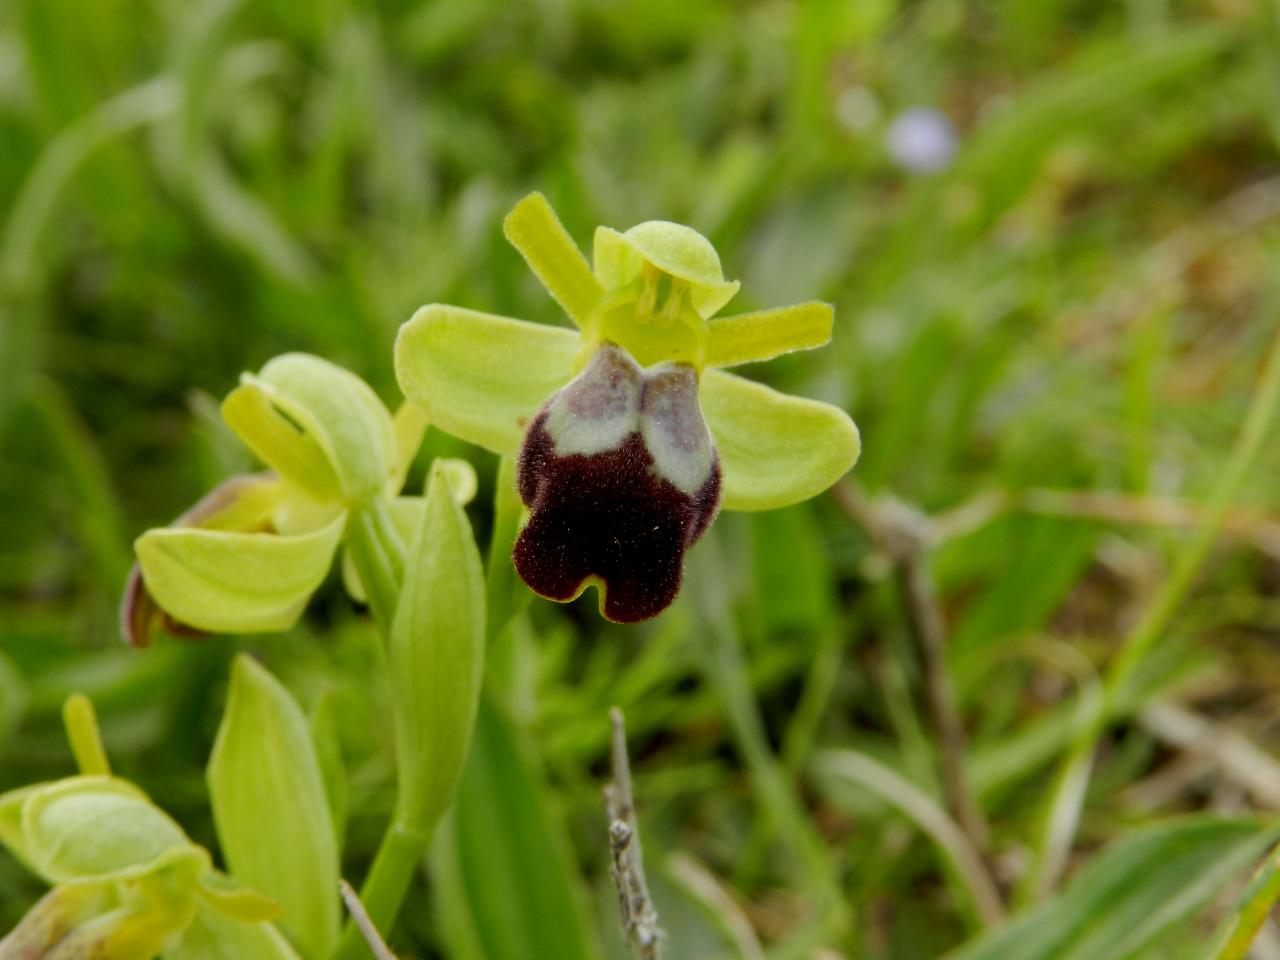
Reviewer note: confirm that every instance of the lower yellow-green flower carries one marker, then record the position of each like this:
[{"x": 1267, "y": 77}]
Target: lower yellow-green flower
[
  {"x": 127, "y": 882},
  {"x": 247, "y": 557},
  {"x": 629, "y": 436}
]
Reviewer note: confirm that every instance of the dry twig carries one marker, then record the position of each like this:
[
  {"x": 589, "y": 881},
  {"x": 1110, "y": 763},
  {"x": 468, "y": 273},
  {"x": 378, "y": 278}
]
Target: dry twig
[
  {"x": 358, "y": 913},
  {"x": 1259, "y": 528},
  {"x": 639, "y": 918},
  {"x": 902, "y": 532}
]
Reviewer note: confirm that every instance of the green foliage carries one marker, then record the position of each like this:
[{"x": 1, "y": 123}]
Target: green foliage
[
  {"x": 506, "y": 886},
  {"x": 1049, "y": 347},
  {"x": 1132, "y": 893}
]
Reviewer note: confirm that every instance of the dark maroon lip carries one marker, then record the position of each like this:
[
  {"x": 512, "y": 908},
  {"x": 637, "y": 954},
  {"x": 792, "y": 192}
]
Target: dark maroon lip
[{"x": 609, "y": 516}]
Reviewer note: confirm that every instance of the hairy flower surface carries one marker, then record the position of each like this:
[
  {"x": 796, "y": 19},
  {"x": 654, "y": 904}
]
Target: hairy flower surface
[{"x": 628, "y": 436}]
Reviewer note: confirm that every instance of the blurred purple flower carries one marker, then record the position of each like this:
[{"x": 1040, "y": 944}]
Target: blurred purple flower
[{"x": 922, "y": 140}]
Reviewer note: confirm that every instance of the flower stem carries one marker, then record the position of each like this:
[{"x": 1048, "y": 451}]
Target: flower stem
[
  {"x": 399, "y": 855},
  {"x": 378, "y": 552}
]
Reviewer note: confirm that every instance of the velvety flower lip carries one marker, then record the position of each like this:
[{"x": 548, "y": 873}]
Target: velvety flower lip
[
  {"x": 596, "y": 459},
  {"x": 621, "y": 478}
]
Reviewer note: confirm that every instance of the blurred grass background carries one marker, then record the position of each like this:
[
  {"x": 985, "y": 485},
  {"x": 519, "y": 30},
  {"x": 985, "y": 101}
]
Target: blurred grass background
[{"x": 1080, "y": 302}]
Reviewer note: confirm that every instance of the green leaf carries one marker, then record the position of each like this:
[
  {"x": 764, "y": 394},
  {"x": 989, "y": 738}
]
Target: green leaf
[
  {"x": 270, "y": 807},
  {"x": 1137, "y": 889},
  {"x": 1251, "y": 911},
  {"x": 215, "y": 936},
  {"x": 505, "y": 883},
  {"x": 765, "y": 334},
  {"x": 775, "y": 449},
  {"x": 533, "y": 228},
  {"x": 480, "y": 376},
  {"x": 437, "y": 656},
  {"x": 233, "y": 582}
]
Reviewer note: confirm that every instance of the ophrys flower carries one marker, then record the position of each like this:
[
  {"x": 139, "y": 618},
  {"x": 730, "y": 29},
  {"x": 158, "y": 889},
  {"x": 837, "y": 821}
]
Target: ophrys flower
[
  {"x": 248, "y": 556},
  {"x": 127, "y": 883},
  {"x": 629, "y": 436}
]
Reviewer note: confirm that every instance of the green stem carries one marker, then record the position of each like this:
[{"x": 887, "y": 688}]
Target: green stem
[
  {"x": 505, "y": 596},
  {"x": 1254, "y": 906},
  {"x": 399, "y": 855},
  {"x": 378, "y": 552}
]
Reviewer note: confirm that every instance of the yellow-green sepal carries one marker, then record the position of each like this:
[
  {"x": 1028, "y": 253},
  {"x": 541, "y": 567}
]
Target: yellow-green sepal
[
  {"x": 318, "y": 425},
  {"x": 480, "y": 376},
  {"x": 224, "y": 581},
  {"x": 765, "y": 334},
  {"x": 410, "y": 424},
  {"x": 269, "y": 426},
  {"x": 775, "y": 449},
  {"x": 270, "y": 807},
  {"x": 533, "y": 228}
]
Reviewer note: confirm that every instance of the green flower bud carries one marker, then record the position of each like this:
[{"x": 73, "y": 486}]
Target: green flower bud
[
  {"x": 270, "y": 806},
  {"x": 129, "y": 883},
  {"x": 437, "y": 656}
]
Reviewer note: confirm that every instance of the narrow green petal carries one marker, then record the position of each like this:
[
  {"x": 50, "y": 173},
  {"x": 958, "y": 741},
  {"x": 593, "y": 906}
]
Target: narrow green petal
[
  {"x": 229, "y": 582},
  {"x": 343, "y": 413},
  {"x": 480, "y": 376},
  {"x": 85, "y": 736},
  {"x": 765, "y": 334},
  {"x": 533, "y": 228},
  {"x": 270, "y": 806},
  {"x": 775, "y": 449},
  {"x": 275, "y": 439},
  {"x": 411, "y": 424}
]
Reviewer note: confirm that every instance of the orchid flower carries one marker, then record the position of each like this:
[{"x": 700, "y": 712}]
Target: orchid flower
[
  {"x": 629, "y": 436},
  {"x": 127, "y": 883},
  {"x": 247, "y": 557}
]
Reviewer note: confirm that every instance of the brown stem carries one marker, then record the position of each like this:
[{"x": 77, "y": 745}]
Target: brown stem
[
  {"x": 901, "y": 532},
  {"x": 638, "y": 915}
]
